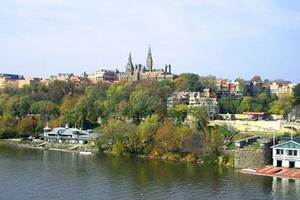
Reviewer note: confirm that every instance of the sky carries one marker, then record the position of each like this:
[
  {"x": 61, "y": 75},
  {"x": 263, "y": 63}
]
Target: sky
[{"x": 224, "y": 38}]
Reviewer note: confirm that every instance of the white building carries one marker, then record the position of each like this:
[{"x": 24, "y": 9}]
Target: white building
[
  {"x": 68, "y": 135},
  {"x": 287, "y": 154},
  {"x": 282, "y": 90},
  {"x": 209, "y": 104}
]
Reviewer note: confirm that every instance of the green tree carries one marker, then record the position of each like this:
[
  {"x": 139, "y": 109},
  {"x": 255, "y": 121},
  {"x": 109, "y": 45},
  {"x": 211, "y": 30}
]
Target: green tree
[
  {"x": 147, "y": 129},
  {"x": 199, "y": 116},
  {"x": 178, "y": 112},
  {"x": 249, "y": 104},
  {"x": 18, "y": 106},
  {"x": 281, "y": 106},
  {"x": 120, "y": 137},
  {"x": 229, "y": 105},
  {"x": 188, "y": 82},
  {"x": 142, "y": 104},
  {"x": 296, "y": 94},
  {"x": 47, "y": 110}
]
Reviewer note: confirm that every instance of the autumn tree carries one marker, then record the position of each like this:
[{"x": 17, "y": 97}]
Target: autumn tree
[{"x": 27, "y": 126}]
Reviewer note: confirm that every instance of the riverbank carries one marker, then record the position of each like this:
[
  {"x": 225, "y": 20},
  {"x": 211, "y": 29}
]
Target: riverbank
[
  {"x": 42, "y": 145},
  {"x": 273, "y": 172},
  {"x": 77, "y": 148}
]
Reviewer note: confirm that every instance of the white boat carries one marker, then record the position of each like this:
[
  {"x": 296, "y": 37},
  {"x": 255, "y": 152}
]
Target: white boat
[{"x": 85, "y": 153}]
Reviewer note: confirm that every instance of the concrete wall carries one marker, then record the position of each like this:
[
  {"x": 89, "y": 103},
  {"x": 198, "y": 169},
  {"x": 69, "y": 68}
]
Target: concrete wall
[
  {"x": 250, "y": 158},
  {"x": 255, "y": 126}
]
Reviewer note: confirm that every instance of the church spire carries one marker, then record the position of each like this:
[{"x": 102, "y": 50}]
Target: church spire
[
  {"x": 149, "y": 60},
  {"x": 130, "y": 67}
]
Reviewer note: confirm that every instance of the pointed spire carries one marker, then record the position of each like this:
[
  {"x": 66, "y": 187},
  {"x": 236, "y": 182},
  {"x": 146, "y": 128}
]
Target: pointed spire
[
  {"x": 130, "y": 67},
  {"x": 149, "y": 60},
  {"x": 149, "y": 50}
]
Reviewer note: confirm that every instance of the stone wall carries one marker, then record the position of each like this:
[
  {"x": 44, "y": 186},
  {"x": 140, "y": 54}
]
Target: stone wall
[
  {"x": 252, "y": 158},
  {"x": 269, "y": 127}
]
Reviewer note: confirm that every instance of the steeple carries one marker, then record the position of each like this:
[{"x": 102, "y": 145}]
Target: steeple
[
  {"x": 129, "y": 66},
  {"x": 149, "y": 60}
]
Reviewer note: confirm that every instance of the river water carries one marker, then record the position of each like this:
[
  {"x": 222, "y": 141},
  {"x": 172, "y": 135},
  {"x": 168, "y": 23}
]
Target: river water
[{"x": 38, "y": 175}]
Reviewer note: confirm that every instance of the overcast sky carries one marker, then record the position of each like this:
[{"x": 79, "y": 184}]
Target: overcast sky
[{"x": 225, "y": 38}]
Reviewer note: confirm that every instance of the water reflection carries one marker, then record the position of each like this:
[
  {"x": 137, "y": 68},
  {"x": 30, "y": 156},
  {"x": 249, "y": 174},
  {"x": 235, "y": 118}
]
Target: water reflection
[
  {"x": 286, "y": 188},
  {"x": 74, "y": 176}
]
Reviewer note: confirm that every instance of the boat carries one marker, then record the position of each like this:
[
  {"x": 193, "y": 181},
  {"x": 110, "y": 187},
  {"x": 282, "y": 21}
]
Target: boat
[{"x": 85, "y": 153}]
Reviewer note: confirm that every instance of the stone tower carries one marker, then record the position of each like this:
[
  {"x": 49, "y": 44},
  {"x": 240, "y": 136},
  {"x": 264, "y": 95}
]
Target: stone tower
[
  {"x": 129, "y": 66},
  {"x": 149, "y": 60}
]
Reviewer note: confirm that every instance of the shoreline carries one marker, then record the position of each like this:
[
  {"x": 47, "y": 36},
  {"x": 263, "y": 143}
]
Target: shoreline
[
  {"x": 47, "y": 146},
  {"x": 42, "y": 145},
  {"x": 254, "y": 172}
]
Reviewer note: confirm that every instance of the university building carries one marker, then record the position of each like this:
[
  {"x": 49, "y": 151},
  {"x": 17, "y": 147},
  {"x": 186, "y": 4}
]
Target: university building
[{"x": 138, "y": 72}]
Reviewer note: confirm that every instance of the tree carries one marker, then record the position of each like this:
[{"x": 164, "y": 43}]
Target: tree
[
  {"x": 120, "y": 137},
  {"x": 142, "y": 104},
  {"x": 164, "y": 136},
  {"x": 229, "y": 105},
  {"x": 47, "y": 110},
  {"x": 18, "y": 106},
  {"x": 281, "y": 106},
  {"x": 213, "y": 142},
  {"x": 178, "y": 112},
  {"x": 188, "y": 82},
  {"x": 209, "y": 82},
  {"x": 27, "y": 126},
  {"x": 148, "y": 128},
  {"x": 296, "y": 94},
  {"x": 249, "y": 104},
  {"x": 200, "y": 117},
  {"x": 3, "y": 100},
  {"x": 7, "y": 126}
]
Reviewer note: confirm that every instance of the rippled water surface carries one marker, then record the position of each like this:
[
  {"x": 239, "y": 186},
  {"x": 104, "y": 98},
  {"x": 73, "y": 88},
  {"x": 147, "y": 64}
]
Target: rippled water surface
[{"x": 34, "y": 174}]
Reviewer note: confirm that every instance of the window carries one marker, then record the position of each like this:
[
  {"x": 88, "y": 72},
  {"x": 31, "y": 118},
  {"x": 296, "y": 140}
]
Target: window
[
  {"x": 279, "y": 151},
  {"x": 295, "y": 153},
  {"x": 292, "y": 152}
]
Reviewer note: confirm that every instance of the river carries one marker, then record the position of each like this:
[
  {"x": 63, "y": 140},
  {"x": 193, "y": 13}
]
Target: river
[{"x": 41, "y": 175}]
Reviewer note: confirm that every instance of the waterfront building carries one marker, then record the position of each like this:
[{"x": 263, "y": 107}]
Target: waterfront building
[
  {"x": 138, "y": 72},
  {"x": 68, "y": 135},
  {"x": 287, "y": 154}
]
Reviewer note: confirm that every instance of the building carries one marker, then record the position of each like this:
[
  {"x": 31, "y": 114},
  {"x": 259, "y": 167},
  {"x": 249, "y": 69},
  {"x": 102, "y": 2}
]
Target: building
[
  {"x": 178, "y": 97},
  {"x": 28, "y": 81},
  {"x": 209, "y": 104},
  {"x": 139, "y": 72},
  {"x": 68, "y": 135},
  {"x": 65, "y": 77},
  {"x": 282, "y": 89},
  {"x": 227, "y": 88},
  {"x": 287, "y": 154},
  {"x": 17, "y": 80},
  {"x": 104, "y": 75}
]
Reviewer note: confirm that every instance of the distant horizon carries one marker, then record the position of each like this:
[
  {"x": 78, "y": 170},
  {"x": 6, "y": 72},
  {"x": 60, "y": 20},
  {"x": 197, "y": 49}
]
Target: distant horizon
[{"x": 226, "y": 39}]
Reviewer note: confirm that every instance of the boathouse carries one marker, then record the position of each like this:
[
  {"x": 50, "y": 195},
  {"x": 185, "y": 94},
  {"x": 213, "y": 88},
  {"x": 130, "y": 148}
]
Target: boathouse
[
  {"x": 287, "y": 154},
  {"x": 68, "y": 135}
]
